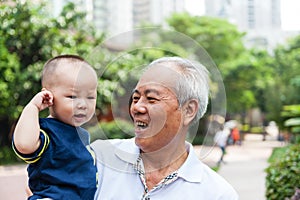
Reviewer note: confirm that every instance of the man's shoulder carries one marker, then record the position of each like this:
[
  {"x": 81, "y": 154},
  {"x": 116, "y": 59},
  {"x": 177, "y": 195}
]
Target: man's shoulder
[
  {"x": 115, "y": 142},
  {"x": 114, "y": 145},
  {"x": 116, "y": 153}
]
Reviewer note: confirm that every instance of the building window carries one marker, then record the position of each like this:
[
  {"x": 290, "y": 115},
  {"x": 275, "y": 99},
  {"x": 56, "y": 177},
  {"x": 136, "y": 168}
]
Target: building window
[{"x": 251, "y": 14}]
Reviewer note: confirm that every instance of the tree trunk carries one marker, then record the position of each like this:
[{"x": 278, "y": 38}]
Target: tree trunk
[{"x": 6, "y": 132}]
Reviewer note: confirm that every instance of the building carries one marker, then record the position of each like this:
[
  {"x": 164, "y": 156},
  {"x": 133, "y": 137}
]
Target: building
[
  {"x": 112, "y": 16},
  {"x": 119, "y": 16},
  {"x": 261, "y": 20}
]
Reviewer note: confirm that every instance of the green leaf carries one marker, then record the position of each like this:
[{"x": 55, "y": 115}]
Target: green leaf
[{"x": 292, "y": 122}]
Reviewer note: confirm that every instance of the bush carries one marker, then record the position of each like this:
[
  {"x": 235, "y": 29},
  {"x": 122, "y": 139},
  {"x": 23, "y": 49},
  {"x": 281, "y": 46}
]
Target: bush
[
  {"x": 283, "y": 174},
  {"x": 117, "y": 129},
  {"x": 8, "y": 156},
  {"x": 256, "y": 129}
]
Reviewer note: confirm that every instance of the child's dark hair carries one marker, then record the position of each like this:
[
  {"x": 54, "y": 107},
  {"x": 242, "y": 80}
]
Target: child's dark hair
[{"x": 51, "y": 65}]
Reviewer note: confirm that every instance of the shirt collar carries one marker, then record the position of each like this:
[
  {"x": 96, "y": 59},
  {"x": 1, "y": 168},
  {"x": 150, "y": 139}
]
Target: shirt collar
[
  {"x": 128, "y": 151},
  {"x": 191, "y": 170}
]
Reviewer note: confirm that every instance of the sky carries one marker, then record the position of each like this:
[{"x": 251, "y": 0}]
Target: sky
[
  {"x": 195, "y": 7},
  {"x": 290, "y": 12}
]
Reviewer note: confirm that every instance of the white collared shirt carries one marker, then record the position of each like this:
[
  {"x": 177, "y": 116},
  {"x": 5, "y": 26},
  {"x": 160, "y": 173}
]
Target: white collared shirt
[{"x": 119, "y": 179}]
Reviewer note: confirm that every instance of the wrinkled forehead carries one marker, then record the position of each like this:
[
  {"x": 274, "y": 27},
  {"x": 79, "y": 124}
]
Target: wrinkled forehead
[{"x": 160, "y": 74}]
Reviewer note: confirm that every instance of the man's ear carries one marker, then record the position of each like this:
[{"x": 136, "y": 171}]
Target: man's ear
[{"x": 190, "y": 110}]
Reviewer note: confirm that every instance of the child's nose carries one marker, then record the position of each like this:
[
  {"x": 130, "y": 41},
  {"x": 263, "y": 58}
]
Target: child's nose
[{"x": 81, "y": 103}]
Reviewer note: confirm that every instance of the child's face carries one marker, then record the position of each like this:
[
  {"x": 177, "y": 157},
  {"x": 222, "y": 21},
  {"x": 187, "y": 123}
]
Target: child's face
[{"x": 75, "y": 93}]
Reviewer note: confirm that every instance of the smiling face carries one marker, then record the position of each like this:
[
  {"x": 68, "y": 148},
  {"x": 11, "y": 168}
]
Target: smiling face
[
  {"x": 155, "y": 110},
  {"x": 75, "y": 92}
]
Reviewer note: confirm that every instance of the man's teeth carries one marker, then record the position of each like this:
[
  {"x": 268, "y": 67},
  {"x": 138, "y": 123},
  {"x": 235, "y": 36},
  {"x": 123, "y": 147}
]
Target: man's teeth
[{"x": 142, "y": 124}]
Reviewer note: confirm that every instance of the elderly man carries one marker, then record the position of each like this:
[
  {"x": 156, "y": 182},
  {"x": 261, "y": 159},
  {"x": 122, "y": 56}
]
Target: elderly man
[{"x": 158, "y": 163}]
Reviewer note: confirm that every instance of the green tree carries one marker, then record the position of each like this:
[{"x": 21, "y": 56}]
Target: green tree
[
  {"x": 221, "y": 39},
  {"x": 247, "y": 83},
  {"x": 284, "y": 90},
  {"x": 9, "y": 66}
]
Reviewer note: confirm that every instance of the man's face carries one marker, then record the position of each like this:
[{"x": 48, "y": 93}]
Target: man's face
[{"x": 155, "y": 109}]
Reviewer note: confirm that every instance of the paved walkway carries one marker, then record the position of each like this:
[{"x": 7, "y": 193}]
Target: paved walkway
[
  {"x": 13, "y": 181},
  {"x": 244, "y": 169},
  {"x": 245, "y": 164}
]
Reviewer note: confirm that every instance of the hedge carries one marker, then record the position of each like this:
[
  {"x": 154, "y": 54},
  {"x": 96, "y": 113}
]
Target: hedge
[{"x": 283, "y": 174}]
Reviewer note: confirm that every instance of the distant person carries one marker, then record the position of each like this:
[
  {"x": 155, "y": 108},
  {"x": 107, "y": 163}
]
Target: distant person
[
  {"x": 296, "y": 196},
  {"x": 236, "y": 137},
  {"x": 158, "y": 163},
  {"x": 264, "y": 131},
  {"x": 221, "y": 139},
  {"x": 61, "y": 163},
  {"x": 272, "y": 130}
]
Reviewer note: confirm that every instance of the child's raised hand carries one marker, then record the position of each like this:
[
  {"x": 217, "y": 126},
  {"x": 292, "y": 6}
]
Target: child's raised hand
[{"x": 43, "y": 99}]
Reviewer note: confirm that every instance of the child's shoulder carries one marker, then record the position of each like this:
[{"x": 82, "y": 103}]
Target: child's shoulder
[{"x": 50, "y": 121}]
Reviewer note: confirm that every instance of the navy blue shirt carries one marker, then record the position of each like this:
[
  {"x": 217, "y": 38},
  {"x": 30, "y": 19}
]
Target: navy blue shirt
[{"x": 63, "y": 167}]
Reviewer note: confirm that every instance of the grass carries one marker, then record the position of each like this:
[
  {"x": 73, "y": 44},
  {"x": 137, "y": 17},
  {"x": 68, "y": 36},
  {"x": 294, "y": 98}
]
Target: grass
[
  {"x": 215, "y": 168},
  {"x": 277, "y": 154}
]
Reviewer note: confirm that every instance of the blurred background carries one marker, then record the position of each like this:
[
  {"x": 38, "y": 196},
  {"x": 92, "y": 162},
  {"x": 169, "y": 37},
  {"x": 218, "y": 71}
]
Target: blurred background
[{"x": 254, "y": 44}]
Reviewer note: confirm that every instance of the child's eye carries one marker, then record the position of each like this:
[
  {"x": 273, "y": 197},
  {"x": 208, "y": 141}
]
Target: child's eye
[
  {"x": 71, "y": 97},
  {"x": 91, "y": 97}
]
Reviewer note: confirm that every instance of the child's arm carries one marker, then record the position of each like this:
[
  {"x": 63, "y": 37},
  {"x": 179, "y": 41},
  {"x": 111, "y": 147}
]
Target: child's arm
[{"x": 27, "y": 131}]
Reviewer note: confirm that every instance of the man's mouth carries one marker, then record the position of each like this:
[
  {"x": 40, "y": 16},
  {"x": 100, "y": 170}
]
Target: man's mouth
[{"x": 140, "y": 124}]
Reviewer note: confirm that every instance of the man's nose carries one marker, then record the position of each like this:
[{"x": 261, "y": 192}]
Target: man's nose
[{"x": 139, "y": 107}]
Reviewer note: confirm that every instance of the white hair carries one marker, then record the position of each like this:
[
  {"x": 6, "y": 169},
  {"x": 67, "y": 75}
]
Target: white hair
[{"x": 193, "y": 82}]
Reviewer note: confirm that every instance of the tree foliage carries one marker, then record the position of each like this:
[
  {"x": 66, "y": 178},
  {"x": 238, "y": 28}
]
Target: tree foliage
[
  {"x": 247, "y": 83},
  {"x": 286, "y": 81},
  {"x": 291, "y": 117},
  {"x": 287, "y": 67},
  {"x": 218, "y": 37}
]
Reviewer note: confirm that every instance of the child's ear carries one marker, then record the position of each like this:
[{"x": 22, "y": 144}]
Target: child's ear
[{"x": 190, "y": 110}]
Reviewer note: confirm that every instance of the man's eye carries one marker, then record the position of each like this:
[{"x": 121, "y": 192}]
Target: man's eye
[
  {"x": 152, "y": 99},
  {"x": 135, "y": 99}
]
